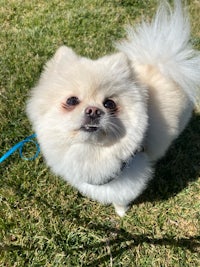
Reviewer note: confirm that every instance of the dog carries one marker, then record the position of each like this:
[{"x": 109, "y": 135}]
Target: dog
[{"x": 102, "y": 124}]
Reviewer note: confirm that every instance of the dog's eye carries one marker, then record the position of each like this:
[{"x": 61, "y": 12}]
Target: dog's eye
[
  {"x": 110, "y": 104},
  {"x": 72, "y": 101}
]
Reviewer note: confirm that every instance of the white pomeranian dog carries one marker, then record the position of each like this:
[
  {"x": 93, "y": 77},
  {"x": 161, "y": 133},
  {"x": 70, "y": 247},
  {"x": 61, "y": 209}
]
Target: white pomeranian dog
[{"x": 103, "y": 123}]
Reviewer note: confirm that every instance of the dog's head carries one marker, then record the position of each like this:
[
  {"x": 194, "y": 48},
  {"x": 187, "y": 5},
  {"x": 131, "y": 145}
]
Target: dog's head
[{"x": 78, "y": 100}]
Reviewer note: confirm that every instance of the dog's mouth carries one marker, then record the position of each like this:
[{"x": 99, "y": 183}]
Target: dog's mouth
[{"x": 90, "y": 128}]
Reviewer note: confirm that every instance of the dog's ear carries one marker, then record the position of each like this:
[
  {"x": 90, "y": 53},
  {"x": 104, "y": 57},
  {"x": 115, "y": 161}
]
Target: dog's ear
[
  {"x": 119, "y": 66},
  {"x": 62, "y": 59},
  {"x": 119, "y": 63},
  {"x": 65, "y": 53}
]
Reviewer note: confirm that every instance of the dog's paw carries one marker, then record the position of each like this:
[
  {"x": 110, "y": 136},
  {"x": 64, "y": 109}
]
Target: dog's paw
[{"x": 120, "y": 210}]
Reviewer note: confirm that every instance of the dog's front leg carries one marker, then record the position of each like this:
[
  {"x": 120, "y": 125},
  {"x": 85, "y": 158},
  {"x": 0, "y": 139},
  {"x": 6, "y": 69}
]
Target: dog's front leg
[{"x": 124, "y": 188}]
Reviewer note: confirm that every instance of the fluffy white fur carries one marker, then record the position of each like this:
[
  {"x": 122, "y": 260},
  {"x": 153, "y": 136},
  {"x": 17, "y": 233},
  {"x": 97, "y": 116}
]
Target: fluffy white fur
[{"x": 153, "y": 80}]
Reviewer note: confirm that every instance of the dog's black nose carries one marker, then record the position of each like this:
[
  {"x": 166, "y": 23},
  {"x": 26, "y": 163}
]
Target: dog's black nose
[{"x": 93, "y": 112}]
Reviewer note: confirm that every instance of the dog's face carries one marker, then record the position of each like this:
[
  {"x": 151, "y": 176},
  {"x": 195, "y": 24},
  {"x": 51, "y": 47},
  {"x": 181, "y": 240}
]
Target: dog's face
[
  {"x": 79, "y": 100},
  {"x": 93, "y": 118}
]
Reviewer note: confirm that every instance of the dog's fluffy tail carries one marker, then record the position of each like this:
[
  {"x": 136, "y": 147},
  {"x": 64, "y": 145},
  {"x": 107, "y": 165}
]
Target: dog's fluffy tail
[{"x": 165, "y": 43}]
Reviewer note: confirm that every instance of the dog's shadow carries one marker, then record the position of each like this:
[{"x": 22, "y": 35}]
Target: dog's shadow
[{"x": 178, "y": 168}]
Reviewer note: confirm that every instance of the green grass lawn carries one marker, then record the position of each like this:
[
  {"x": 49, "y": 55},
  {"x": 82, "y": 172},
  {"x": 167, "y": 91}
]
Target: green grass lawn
[{"x": 43, "y": 221}]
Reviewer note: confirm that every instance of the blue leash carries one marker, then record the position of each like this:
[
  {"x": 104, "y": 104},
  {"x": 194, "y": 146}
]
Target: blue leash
[{"x": 20, "y": 147}]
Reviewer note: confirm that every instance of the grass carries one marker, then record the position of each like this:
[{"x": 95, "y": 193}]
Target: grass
[{"x": 45, "y": 222}]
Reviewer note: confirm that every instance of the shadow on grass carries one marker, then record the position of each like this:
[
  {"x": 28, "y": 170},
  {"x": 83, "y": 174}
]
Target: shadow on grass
[
  {"x": 11, "y": 248},
  {"x": 119, "y": 245},
  {"x": 116, "y": 241},
  {"x": 125, "y": 241},
  {"x": 179, "y": 167}
]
